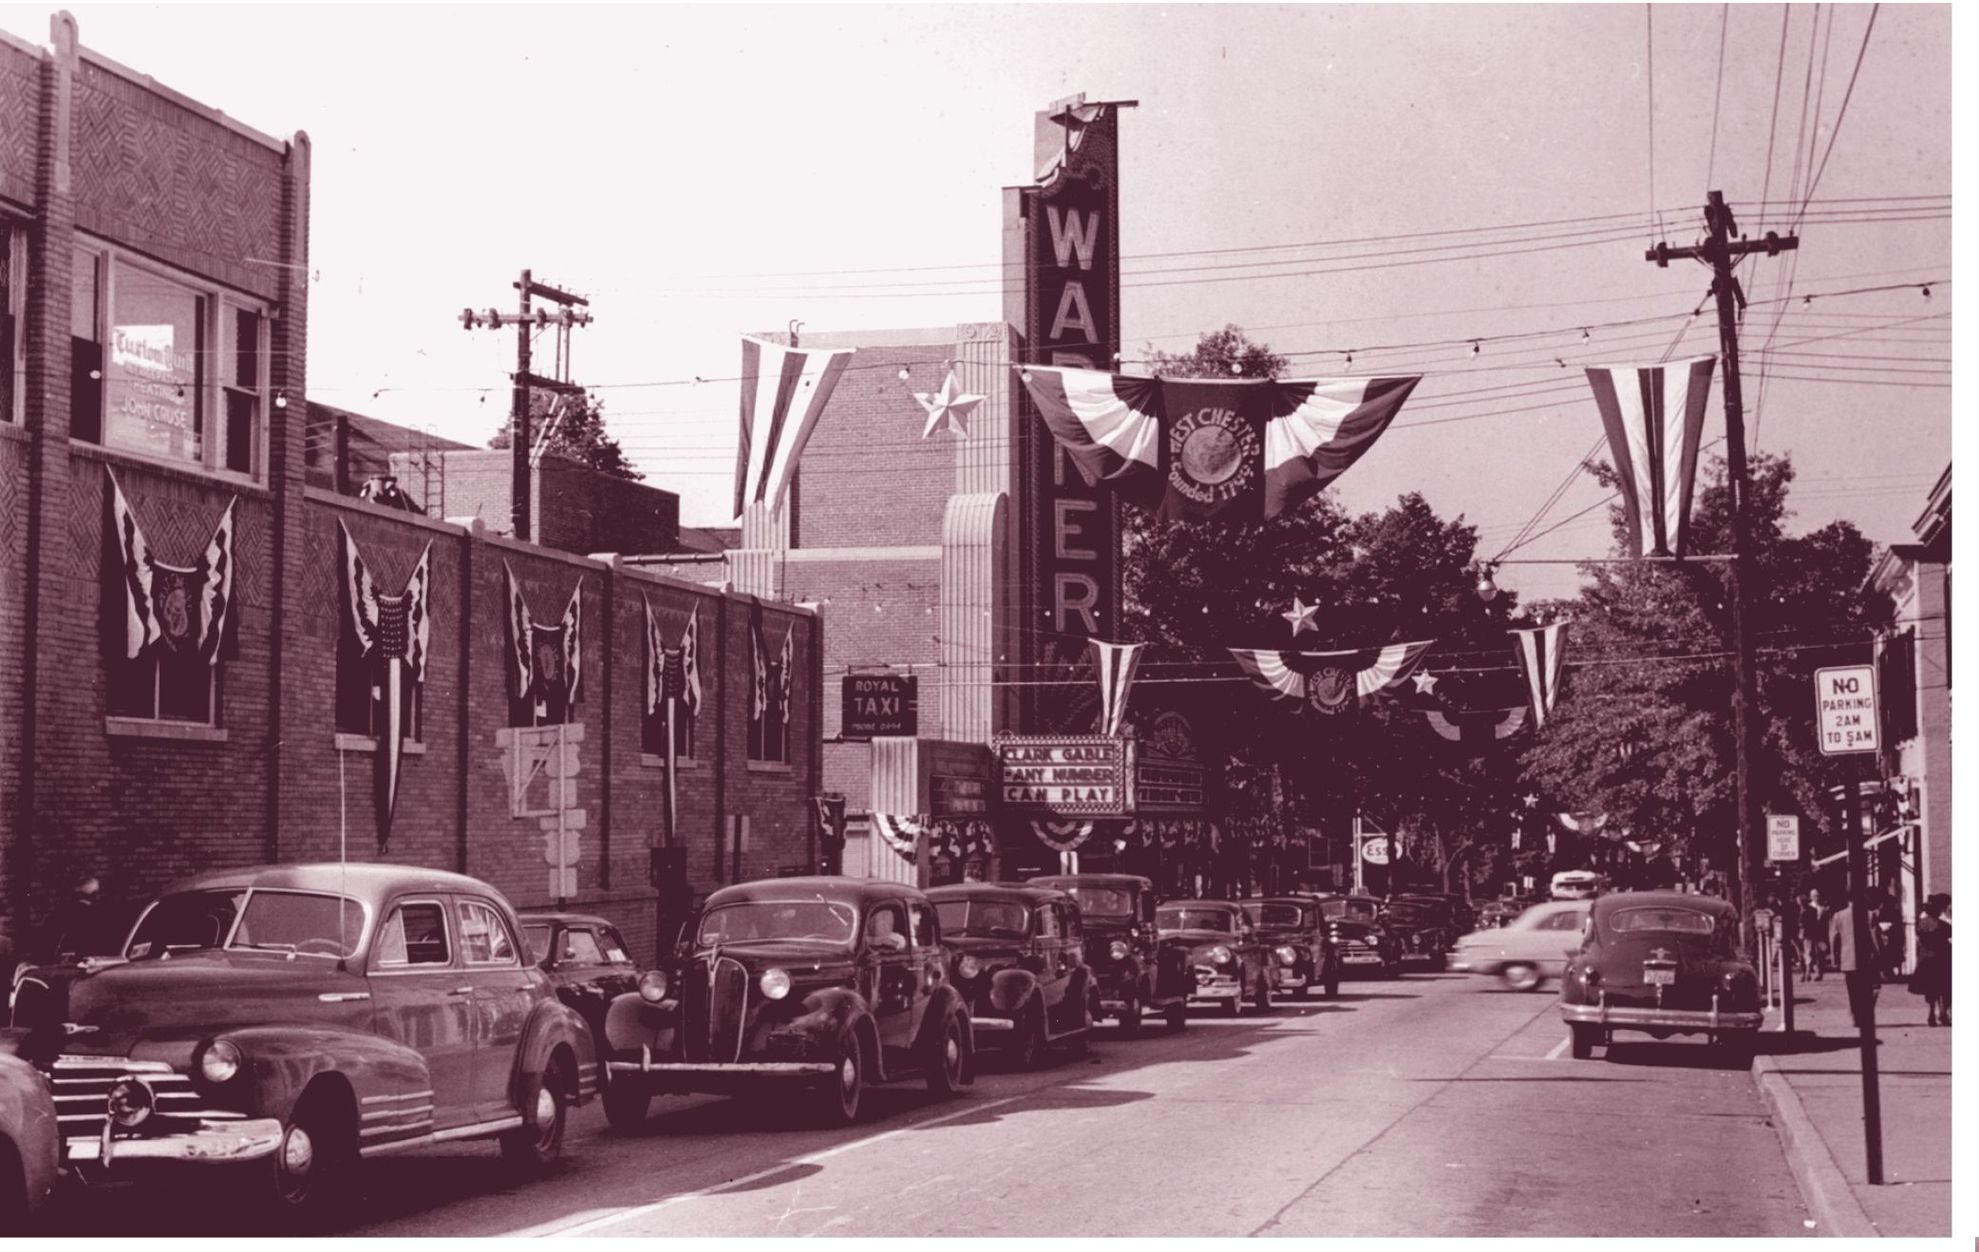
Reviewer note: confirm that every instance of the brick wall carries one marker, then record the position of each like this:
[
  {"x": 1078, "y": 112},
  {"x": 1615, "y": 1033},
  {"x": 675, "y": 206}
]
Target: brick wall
[{"x": 868, "y": 478}]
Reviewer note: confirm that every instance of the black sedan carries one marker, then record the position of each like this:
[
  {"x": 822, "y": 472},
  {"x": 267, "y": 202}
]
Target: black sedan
[
  {"x": 1018, "y": 962},
  {"x": 587, "y": 961},
  {"x": 1664, "y": 963}
]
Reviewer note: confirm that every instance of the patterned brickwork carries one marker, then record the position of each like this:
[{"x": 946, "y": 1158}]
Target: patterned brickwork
[{"x": 20, "y": 123}]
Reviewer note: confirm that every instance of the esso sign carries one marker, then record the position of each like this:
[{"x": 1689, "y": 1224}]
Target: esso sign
[{"x": 1375, "y": 851}]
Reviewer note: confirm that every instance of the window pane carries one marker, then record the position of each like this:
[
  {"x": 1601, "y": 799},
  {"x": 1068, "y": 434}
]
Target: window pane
[
  {"x": 298, "y": 922},
  {"x": 86, "y": 390},
  {"x": 484, "y": 939},
  {"x": 154, "y": 376},
  {"x": 538, "y": 939},
  {"x": 83, "y": 322},
  {"x": 581, "y": 948},
  {"x": 243, "y": 419},
  {"x": 247, "y": 349},
  {"x": 185, "y": 690},
  {"x": 415, "y": 935}
]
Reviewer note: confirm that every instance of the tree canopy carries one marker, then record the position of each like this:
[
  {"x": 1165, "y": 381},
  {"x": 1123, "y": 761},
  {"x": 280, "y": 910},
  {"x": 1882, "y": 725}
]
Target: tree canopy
[{"x": 576, "y": 426}]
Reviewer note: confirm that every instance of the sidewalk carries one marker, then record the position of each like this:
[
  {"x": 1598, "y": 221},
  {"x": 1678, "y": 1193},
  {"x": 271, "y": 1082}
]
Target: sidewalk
[{"x": 1812, "y": 1082}]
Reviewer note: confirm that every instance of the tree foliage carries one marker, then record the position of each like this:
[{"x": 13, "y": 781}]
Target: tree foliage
[
  {"x": 576, "y": 422},
  {"x": 1644, "y": 734}
]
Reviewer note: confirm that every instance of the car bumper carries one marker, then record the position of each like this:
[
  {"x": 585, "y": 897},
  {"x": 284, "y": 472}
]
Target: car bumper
[
  {"x": 646, "y": 1065},
  {"x": 213, "y": 1142},
  {"x": 1662, "y": 1019},
  {"x": 993, "y": 1025},
  {"x": 1217, "y": 989},
  {"x": 1476, "y": 964},
  {"x": 1289, "y": 979}
]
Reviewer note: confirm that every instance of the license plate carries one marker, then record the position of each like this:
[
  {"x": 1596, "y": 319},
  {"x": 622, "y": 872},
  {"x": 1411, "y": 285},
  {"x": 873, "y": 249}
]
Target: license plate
[{"x": 1659, "y": 977}]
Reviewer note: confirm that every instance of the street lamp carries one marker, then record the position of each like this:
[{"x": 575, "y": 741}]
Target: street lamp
[{"x": 1487, "y": 588}]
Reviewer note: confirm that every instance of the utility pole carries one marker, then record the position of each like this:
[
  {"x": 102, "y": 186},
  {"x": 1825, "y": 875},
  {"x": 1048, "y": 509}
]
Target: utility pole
[
  {"x": 1722, "y": 254},
  {"x": 525, "y": 320}
]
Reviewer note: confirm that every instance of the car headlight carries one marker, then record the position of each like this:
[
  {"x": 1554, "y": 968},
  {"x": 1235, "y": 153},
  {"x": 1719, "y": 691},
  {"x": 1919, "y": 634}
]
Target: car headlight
[
  {"x": 219, "y": 1062},
  {"x": 775, "y": 983},
  {"x": 653, "y": 986},
  {"x": 968, "y": 966},
  {"x": 128, "y": 1102},
  {"x": 1219, "y": 955},
  {"x": 1118, "y": 950},
  {"x": 1287, "y": 956}
]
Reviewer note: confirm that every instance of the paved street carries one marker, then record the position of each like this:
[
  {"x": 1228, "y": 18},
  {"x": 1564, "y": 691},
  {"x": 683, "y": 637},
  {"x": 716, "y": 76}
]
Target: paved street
[{"x": 1432, "y": 1105}]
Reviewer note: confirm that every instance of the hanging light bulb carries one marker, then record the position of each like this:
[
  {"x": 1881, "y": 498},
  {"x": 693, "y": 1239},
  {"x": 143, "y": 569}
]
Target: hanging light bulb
[
  {"x": 1025, "y": 375},
  {"x": 1350, "y": 358},
  {"x": 1926, "y": 290},
  {"x": 1584, "y": 336},
  {"x": 1487, "y": 587},
  {"x": 1236, "y": 367},
  {"x": 1475, "y": 349},
  {"x": 903, "y": 374},
  {"x": 282, "y": 399}
]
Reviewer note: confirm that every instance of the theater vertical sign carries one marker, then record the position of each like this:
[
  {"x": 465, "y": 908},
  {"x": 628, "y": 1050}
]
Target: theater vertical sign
[{"x": 1070, "y": 540}]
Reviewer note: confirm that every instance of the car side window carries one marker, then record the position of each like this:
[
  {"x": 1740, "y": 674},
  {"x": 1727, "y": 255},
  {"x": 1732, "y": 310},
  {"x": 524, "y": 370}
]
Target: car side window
[
  {"x": 1568, "y": 920},
  {"x": 1046, "y": 925},
  {"x": 537, "y": 939},
  {"x": 614, "y": 946},
  {"x": 1071, "y": 915},
  {"x": 886, "y": 928},
  {"x": 414, "y": 936},
  {"x": 484, "y": 937},
  {"x": 580, "y": 947},
  {"x": 923, "y": 918}
]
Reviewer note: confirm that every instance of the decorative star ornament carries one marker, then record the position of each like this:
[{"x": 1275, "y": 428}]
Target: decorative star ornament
[
  {"x": 949, "y": 408},
  {"x": 1423, "y": 682},
  {"x": 1531, "y": 800},
  {"x": 1301, "y": 615}
]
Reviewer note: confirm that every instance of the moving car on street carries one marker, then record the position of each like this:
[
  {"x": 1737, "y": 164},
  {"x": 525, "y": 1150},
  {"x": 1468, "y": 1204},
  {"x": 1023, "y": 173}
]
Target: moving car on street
[
  {"x": 1225, "y": 954},
  {"x": 1353, "y": 923},
  {"x": 30, "y": 1143},
  {"x": 1577, "y": 884},
  {"x": 819, "y": 984},
  {"x": 301, "y": 1017},
  {"x": 1528, "y": 950},
  {"x": 1020, "y": 963},
  {"x": 1664, "y": 963},
  {"x": 1302, "y": 954},
  {"x": 1135, "y": 973}
]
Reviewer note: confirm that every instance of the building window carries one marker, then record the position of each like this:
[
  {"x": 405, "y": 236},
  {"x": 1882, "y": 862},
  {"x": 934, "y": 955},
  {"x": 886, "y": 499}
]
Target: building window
[
  {"x": 13, "y": 353},
  {"x": 157, "y": 357},
  {"x": 165, "y": 687}
]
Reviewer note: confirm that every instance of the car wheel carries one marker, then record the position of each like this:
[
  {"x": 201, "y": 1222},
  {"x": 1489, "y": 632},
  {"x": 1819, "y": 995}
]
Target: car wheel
[
  {"x": 1520, "y": 976},
  {"x": 1583, "y": 1038},
  {"x": 843, "y": 1093},
  {"x": 536, "y": 1147},
  {"x": 315, "y": 1163},
  {"x": 626, "y": 1104},
  {"x": 1332, "y": 980},
  {"x": 951, "y": 1057},
  {"x": 1178, "y": 1015},
  {"x": 1130, "y": 1017}
]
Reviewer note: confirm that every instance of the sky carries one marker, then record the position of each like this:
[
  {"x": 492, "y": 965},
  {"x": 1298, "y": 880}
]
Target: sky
[{"x": 1333, "y": 179}]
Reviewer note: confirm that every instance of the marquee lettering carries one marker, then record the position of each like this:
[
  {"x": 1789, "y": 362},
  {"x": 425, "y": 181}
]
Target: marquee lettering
[
  {"x": 1073, "y": 231},
  {"x": 1074, "y": 313}
]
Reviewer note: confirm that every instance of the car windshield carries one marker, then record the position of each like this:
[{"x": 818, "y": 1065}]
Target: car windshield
[
  {"x": 983, "y": 919},
  {"x": 185, "y": 923},
  {"x": 1275, "y": 914},
  {"x": 1192, "y": 919},
  {"x": 1102, "y": 901},
  {"x": 1403, "y": 911},
  {"x": 301, "y": 922},
  {"x": 1663, "y": 919},
  {"x": 830, "y": 921},
  {"x": 1347, "y": 908}
]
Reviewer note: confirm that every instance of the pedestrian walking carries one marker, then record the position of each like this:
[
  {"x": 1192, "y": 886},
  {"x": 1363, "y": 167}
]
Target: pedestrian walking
[
  {"x": 1857, "y": 962},
  {"x": 1932, "y": 978},
  {"x": 1814, "y": 916}
]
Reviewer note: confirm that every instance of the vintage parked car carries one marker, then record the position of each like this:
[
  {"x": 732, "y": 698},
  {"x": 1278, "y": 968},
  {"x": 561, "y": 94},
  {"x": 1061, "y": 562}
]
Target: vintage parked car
[
  {"x": 1422, "y": 930},
  {"x": 1665, "y": 963},
  {"x": 30, "y": 1143},
  {"x": 1354, "y": 924},
  {"x": 1578, "y": 884},
  {"x": 1020, "y": 962},
  {"x": 303, "y": 1017},
  {"x": 587, "y": 962},
  {"x": 1524, "y": 953},
  {"x": 1302, "y": 953},
  {"x": 1135, "y": 972},
  {"x": 1225, "y": 954},
  {"x": 825, "y": 984},
  {"x": 1462, "y": 916}
]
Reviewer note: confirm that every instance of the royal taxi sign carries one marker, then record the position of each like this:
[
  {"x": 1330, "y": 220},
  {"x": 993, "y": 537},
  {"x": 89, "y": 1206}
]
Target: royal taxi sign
[{"x": 1845, "y": 704}]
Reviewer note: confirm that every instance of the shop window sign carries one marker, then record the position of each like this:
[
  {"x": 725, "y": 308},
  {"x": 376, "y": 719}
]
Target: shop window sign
[{"x": 155, "y": 367}]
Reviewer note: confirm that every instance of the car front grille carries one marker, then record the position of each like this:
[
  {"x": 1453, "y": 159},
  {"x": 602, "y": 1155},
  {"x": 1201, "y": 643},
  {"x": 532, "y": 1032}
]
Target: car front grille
[
  {"x": 714, "y": 1008},
  {"x": 82, "y": 1084}
]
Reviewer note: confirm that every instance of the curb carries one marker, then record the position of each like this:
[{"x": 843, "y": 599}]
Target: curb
[{"x": 1823, "y": 1186}]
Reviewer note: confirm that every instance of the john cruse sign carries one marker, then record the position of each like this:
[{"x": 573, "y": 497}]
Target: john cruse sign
[
  {"x": 879, "y": 704},
  {"x": 1063, "y": 775}
]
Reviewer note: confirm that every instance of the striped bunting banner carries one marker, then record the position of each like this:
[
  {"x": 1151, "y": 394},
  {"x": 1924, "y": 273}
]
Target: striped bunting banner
[
  {"x": 1654, "y": 416},
  {"x": 784, "y": 393},
  {"x": 1540, "y": 651},
  {"x": 1117, "y": 662}
]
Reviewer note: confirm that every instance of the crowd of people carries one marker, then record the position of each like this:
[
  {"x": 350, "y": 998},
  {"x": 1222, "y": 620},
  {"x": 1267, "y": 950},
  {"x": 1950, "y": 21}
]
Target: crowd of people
[{"x": 1827, "y": 943}]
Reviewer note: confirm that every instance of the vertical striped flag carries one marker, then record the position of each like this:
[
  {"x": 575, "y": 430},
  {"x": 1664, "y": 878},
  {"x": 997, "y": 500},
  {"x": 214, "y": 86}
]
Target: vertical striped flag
[
  {"x": 784, "y": 393},
  {"x": 1654, "y": 416},
  {"x": 1540, "y": 650},
  {"x": 1116, "y": 676}
]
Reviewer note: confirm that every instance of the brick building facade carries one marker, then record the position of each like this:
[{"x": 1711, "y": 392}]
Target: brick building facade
[{"x": 179, "y": 681}]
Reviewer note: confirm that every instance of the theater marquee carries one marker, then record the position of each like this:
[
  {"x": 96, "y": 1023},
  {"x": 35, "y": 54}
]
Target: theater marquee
[{"x": 1063, "y": 775}]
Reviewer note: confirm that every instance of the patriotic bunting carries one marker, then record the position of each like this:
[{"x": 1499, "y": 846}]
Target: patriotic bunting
[
  {"x": 183, "y": 610},
  {"x": 1331, "y": 682},
  {"x": 1475, "y": 730},
  {"x": 1117, "y": 662},
  {"x": 392, "y": 634},
  {"x": 1540, "y": 651},
  {"x": 901, "y": 833},
  {"x": 1654, "y": 416},
  {"x": 672, "y": 673},
  {"x": 1063, "y": 836},
  {"x": 784, "y": 393},
  {"x": 1195, "y": 448},
  {"x": 549, "y": 660}
]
